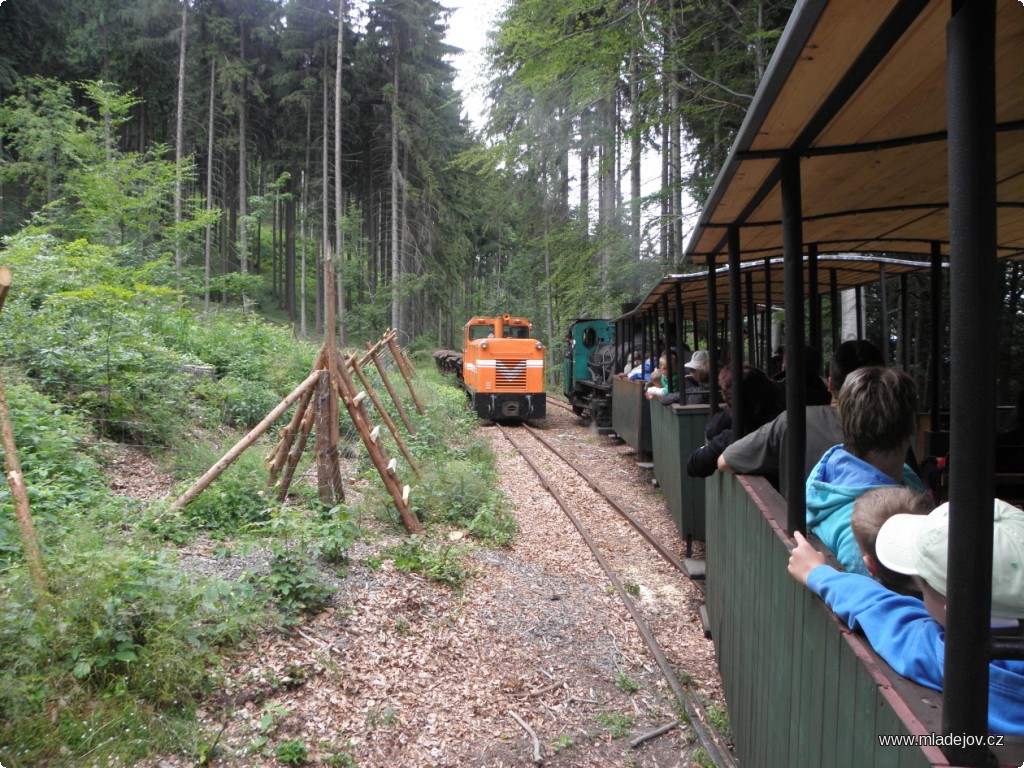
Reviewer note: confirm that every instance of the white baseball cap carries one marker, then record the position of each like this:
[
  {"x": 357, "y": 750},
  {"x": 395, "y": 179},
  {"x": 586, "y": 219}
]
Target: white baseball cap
[{"x": 917, "y": 545}]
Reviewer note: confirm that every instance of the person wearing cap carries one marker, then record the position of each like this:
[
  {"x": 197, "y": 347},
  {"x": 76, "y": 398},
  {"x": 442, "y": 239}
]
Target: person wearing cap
[
  {"x": 877, "y": 411},
  {"x": 763, "y": 451},
  {"x": 910, "y": 634},
  {"x": 695, "y": 383}
]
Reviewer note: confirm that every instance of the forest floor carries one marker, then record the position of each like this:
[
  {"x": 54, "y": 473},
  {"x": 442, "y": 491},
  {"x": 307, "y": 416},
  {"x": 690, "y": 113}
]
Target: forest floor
[{"x": 400, "y": 671}]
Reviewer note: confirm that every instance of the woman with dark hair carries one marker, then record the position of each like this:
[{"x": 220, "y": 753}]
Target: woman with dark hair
[{"x": 761, "y": 403}]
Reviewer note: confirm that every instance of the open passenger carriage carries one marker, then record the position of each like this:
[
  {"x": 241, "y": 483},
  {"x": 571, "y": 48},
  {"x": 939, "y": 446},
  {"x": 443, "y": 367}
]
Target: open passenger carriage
[{"x": 892, "y": 128}]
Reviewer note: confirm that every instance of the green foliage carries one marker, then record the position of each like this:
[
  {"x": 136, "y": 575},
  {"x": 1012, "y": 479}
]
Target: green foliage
[
  {"x": 719, "y": 717},
  {"x": 560, "y": 743},
  {"x": 439, "y": 562},
  {"x": 62, "y": 478},
  {"x": 378, "y": 718},
  {"x": 625, "y": 683},
  {"x": 341, "y": 760},
  {"x": 295, "y": 584},
  {"x": 240, "y": 402},
  {"x": 617, "y": 723},
  {"x": 292, "y": 752},
  {"x": 458, "y": 484},
  {"x": 112, "y": 664},
  {"x": 232, "y": 504}
]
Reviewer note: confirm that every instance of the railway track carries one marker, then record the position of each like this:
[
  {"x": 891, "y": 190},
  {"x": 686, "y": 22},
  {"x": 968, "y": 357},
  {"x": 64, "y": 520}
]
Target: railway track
[{"x": 617, "y": 551}]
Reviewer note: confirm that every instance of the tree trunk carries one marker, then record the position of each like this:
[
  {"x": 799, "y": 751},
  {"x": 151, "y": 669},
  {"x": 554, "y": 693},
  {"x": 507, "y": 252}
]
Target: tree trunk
[
  {"x": 396, "y": 266},
  {"x": 243, "y": 243},
  {"x": 339, "y": 233},
  {"x": 289, "y": 252},
  {"x": 179, "y": 139},
  {"x": 209, "y": 185},
  {"x": 634, "y": 156},
  {"x": 321, "y": 294}
]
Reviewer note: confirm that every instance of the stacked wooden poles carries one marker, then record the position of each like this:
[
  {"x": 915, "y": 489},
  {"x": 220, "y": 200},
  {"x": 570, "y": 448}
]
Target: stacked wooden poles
[
  {"x": 328, "y": 469},
  {"x": 384, "y": 414},
  {"x": 387, "y": 385},
  {"x": 228, "y": 458},
  {"x": 406, "y": 370},
  {"x": 371, "y": 439}
]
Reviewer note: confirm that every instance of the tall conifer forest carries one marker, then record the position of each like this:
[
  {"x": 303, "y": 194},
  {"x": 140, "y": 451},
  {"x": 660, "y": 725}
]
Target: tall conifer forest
[{"x": 222, "y": 148}]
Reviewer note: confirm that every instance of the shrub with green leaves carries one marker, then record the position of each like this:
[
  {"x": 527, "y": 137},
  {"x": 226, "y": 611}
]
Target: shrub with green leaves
[
  {"x": 114, "y": 660},
  {"x": 295, "y": 585},
  {"x": 440, "y": 562},
  {"x": 61, "y": 476}
]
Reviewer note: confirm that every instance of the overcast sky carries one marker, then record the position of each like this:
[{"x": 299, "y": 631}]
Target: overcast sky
[{"x": 467, "y": 29}]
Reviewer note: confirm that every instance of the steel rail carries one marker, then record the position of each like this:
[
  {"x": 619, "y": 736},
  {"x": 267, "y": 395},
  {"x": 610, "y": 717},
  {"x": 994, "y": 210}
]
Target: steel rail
[
  {"x": 695, "y": 711},
  {"x": 660, "y": 548}
]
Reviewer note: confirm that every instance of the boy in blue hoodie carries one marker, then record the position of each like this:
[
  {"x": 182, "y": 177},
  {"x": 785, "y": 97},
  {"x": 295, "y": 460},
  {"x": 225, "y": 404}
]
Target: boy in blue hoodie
[
  {"x": 910, "y": 634},
  {"x": 877, "y": 411}
]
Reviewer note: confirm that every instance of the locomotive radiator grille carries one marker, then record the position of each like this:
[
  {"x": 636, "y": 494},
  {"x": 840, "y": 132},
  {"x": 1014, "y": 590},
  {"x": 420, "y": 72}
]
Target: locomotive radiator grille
[{"x": 510, "y": 374}]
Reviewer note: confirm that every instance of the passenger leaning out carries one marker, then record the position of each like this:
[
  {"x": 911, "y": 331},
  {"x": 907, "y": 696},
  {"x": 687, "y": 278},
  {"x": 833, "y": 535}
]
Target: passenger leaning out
[{"x": 910, "y": 634}]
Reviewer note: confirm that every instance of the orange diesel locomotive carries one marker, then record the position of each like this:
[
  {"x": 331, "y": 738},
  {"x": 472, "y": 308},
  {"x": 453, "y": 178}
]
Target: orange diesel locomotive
[{"x": 503, "y": 368}]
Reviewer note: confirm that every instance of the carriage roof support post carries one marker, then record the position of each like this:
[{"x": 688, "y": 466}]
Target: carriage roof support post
[
  {"x": 680, "y": 332},
  {"x": 751, "y": 321},
  {"x": 796, "y": 427},
  {"x": 736, "y": 331},
  {"x": 813, "y": 298},
  {"x": 712, "y": 334},
  {"x": 935, "y": 368},
  {"x": 766, "y": 322},
  {"x": 670, "y": 342},
  {"x": 835, "y": 306},
  {"x": 971, "y": 111},
  {"x": 883, "y": 297},
  {"x": 904, "y": 322}
]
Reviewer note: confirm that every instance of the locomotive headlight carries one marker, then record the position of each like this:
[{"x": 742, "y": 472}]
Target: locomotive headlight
[
  {"x": 539, "y": 345},
  {"x": 483, "y": 345}
]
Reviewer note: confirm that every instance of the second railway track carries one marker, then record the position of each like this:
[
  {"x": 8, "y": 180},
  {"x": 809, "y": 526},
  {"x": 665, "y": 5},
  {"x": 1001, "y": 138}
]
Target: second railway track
[{"x": 629, "y": 554}]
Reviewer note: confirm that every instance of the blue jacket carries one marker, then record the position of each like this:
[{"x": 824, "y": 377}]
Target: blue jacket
[
  {"x": 833, "y": 485},
  {"x": 902, "y": 632}
]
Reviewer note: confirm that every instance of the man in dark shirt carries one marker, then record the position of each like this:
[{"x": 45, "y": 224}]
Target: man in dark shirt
[{"x": 763, "y": 452}]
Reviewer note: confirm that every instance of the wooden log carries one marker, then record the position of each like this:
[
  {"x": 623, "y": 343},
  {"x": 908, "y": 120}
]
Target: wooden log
[
  {"x": 391, "y": 391},
  {"x": 298, "y": 446},
  {"x": 19, "y": 493},
  {"x": 6, "y": 278},
  {"x": 228, "y": 458},
  {"x": 383, "y": 414},
  {"x": 288, "y": 434},
  {"x": 406, "y": 372},
  {"x": 357, "y": 412},
  {"x": 328, "y": 472}
]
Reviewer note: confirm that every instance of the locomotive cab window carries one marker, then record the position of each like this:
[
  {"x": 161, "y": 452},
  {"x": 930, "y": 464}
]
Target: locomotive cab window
[
  {"x": 481, "y": 332},
  {"x": 517, "y": 331}
]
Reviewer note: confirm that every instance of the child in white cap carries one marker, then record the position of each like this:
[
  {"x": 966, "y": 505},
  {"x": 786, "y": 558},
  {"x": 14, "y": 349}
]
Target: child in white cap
[{"x": 909, "y": 634}]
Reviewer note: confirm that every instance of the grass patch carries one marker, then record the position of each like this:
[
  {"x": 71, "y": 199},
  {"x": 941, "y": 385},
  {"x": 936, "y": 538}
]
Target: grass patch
[{"x": 619, "y": 724}]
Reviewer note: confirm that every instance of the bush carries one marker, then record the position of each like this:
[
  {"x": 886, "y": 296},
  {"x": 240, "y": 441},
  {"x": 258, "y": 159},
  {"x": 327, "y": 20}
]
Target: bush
[
  {"x": 295, "y": 585},
  {"x": 438, "y": 562},
  {"x": 61, "y": 476},
  {"x": 123, "y": 641}
]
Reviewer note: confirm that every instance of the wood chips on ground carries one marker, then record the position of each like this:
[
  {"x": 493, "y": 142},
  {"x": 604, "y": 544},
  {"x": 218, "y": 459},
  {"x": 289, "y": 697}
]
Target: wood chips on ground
[{"x": 402, "y": 672}]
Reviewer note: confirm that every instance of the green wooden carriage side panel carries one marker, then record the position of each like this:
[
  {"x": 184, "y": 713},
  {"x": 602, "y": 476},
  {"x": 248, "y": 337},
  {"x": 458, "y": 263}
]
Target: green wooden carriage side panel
[
  {"x": 676, "y": 431},
  {"x": 631, "y": 414},
  {"x": 798, "y": 694}
]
